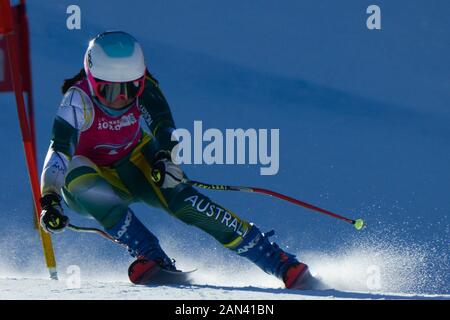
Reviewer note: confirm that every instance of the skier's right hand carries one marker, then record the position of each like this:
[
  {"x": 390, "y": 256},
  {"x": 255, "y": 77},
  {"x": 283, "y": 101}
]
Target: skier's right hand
[
  {"x": 165, "y": 173},
  {"x": 52, "y": 218}
]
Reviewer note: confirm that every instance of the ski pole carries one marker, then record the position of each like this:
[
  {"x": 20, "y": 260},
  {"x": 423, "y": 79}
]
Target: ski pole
[
  {"x": 92, "y": 230},
  {"x": 358, "y": 223}
]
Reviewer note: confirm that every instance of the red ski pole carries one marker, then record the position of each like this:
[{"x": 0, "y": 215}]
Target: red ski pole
[{"x": 358, "y": 223}]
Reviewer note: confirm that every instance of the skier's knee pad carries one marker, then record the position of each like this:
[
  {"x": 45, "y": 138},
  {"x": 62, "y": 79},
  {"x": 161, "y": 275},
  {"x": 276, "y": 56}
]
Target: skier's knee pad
[
  {"x": 88, "y": 193},
  {"x": 256, "y": 247},
  {"x": 72, "y": 203},
  {"x": 105, "y": 214}
]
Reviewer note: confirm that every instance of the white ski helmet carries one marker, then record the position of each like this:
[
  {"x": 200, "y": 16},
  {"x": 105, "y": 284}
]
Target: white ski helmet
[
  {"x": 115, "y": 68},
  {"x": 114, "y": 56}
]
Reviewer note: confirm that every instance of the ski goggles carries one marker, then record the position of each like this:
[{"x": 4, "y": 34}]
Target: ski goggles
[{"x": 111, "y": 92}]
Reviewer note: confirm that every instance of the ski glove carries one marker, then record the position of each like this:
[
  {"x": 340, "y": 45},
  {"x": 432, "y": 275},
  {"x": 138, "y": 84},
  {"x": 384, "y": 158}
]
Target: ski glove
[
  {"x": 165, "y": 173},
  {"x": 52, "y": 218}
]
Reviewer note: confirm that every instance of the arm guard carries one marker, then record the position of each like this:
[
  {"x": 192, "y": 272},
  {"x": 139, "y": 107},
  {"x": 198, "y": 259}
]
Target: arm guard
[{"x": 75, "y": 114}]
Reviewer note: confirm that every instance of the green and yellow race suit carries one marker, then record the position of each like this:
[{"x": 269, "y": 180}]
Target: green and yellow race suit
[{"x": 104, "y": 189}]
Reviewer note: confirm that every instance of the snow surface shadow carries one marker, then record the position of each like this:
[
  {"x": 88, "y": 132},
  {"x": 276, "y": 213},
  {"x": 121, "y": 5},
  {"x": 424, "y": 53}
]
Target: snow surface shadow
[{"x": 328, "y": 293}]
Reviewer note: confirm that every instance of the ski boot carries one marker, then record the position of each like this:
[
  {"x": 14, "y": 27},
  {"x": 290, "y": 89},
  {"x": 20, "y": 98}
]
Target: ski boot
[
  {"x": 272, "y": 259},
  {"x": 143, "y": 271},
  {"x": 297, "y": 277},
  {"x": 143, "y": 245}
]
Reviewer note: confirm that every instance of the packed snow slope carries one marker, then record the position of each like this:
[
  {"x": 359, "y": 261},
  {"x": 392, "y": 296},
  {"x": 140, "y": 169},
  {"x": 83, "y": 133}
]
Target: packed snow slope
[{"x": 364, "y": 131}]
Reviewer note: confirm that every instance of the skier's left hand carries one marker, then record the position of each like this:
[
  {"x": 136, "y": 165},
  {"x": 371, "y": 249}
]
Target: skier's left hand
[
  {"x": 165, "y": 173},
  {"x": 52, "y": 219}
]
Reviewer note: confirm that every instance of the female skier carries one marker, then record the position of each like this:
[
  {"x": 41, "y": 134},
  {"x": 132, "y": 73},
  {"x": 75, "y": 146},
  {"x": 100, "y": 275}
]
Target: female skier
[{"x": 101, "y": 160}]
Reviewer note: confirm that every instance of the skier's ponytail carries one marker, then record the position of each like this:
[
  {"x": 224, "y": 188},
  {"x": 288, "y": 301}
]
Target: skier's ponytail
[
  {"x": 71, "y": 81},
  {"x": 151, "y": 77}
]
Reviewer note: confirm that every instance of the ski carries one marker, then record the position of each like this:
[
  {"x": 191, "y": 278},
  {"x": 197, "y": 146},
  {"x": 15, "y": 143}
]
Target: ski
[{"x": 144, "y": 272}]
